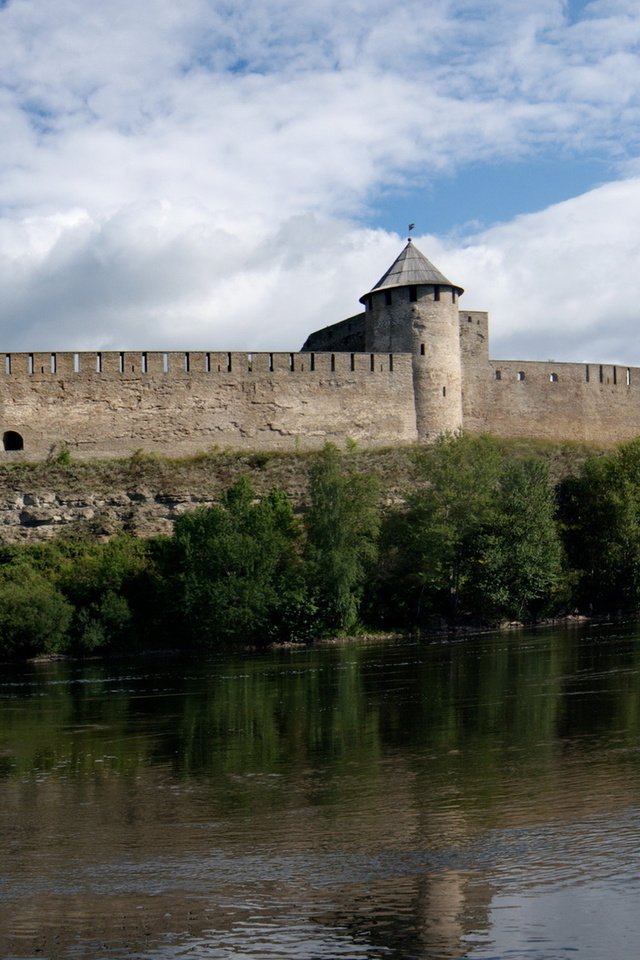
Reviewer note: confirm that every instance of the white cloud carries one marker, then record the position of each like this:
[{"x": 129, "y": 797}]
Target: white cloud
[
  {"x": 192, "y": 175},
  {"x": 562, "y": 283}
]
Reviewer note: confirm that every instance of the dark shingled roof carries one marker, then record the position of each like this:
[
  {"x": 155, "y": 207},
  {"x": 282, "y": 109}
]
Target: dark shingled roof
[{"x": 411, "y": 267}]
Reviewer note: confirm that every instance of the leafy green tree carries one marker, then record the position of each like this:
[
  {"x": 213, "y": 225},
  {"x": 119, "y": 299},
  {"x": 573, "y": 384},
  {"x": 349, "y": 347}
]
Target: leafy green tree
[
  {"x": 434, "y": 547},
  {"x": 478, "y": 537},
  {"x": 238, "y": 571},
  {"x": 600, "y": 512},
  {"x": 518, "y": 556},
  {"x": 34, "y": 616},
  {"x": 106, "y": 583},
  {"x": 343, "y": 524}
]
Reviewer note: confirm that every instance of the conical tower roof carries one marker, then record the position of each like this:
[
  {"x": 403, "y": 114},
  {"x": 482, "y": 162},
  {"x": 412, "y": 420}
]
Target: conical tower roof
[{"x": 411, "y": 267}]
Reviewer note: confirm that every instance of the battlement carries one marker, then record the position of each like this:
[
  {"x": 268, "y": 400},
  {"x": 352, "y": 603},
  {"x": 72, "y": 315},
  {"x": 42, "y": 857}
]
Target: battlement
[{"x": 190, "y": 363}]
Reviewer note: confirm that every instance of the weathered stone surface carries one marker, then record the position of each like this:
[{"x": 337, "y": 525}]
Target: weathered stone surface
[
  {"x": 144, "y": 496},
  {"x": 596, "y": 403},
  {"x": 237, "y": 401}
]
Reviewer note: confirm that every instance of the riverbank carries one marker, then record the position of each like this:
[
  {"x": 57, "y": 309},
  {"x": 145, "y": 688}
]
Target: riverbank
[
  {"x": 144, "y": 495},
  {"x": 466, "y": 535}
]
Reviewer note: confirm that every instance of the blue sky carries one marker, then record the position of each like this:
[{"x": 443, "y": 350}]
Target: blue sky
[
  {"x": 480, "y": 195},
  {"x": 231, "y": 176}
]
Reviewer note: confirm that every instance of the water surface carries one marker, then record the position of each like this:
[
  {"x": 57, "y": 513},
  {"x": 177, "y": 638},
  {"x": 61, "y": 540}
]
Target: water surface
[{"x": 475, "y": 799}]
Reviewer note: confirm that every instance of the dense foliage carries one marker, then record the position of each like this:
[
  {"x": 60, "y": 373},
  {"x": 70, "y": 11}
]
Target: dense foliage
[{"x": 482, "y": 536}]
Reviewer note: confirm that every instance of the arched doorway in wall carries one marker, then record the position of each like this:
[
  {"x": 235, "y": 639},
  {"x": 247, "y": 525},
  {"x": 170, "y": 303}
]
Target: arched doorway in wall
[{"x": 11, "y": 440}]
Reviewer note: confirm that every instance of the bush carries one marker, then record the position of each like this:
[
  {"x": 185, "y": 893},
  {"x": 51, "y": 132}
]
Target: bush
[
  {"x": 237, "y": 569},
  {"x": 34, "y": 615},
  {"x": 343, "y": 525}
]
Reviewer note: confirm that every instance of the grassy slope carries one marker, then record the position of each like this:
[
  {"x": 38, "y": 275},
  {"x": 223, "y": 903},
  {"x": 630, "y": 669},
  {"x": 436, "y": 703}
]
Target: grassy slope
[{"x": 204, "y": 477}]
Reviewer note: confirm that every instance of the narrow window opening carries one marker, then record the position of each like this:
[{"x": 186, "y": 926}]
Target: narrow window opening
[
  {"x": 333, "y": 363},
  {"x": 165, "y": 363},
  {"x": 187, "y": 363},
  {"x": 121, "y": 363},
  {"x": 372, "y": 362},
  {"x": 422, "y": 349},
  {"x": 498, "y": 374},
  {"x": 53, "y": 363},
  {"x": 615, "y": 376},
  {"x": 291, "y": 362},
  {"x": 520, "y": 374},
  {"x": 30, "y": 363},
  {"x": 586, "y": 373},
  {"x": 207, "y": 363},
  {"x": 312, "y": 362},
  {"x": 353, "y": 362},
  {"x": 7, "y": 363},
  {"x": 601, "y": 374},
  {"x": 628, "y": 376},
  {"x": 144, "y": 363},
  {"x": 11, "y": 440},
  {"x": 436, "y": 293},
  {"x": 469, "y": 319},
  {"x": 76, "y": 363},
  {"x": 413, "y": 293},
  {"x": 98, "y": 363},
  {"x": 229, "y": 364},
  {"x": 391, "y": 362},
  {"x": 270, "y": 363},
  {"x": 387, "y": 298},
  {"x": 553, "y": 377},
  {"x": 444, "y": 391},
  {"x": 249, "y": 363}
]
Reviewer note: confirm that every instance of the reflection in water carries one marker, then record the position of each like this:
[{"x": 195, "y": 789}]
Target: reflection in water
[{"x": 398, "y": 800}]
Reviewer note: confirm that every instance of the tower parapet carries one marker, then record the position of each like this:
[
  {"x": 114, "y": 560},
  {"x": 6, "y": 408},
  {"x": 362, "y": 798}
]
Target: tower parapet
[{"x": 414, "y": 309}]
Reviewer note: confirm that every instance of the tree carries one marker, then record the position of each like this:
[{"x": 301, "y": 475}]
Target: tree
[
  {"x": 105, "y": 582},
  {"x": 238, "y": 572},
  {"x": 34, "y": 616},
  {"x": 342, "y": 525},
  {"x": 600, "y": 512},
  {"x": 459, "y": 477},
  {"x": 518, "y": 555},
  {"x": 478, "y": 538}
]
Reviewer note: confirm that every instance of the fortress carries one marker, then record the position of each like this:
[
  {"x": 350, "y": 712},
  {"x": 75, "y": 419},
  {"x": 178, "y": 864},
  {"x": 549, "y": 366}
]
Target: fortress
[{"x": 408, "y": 368}]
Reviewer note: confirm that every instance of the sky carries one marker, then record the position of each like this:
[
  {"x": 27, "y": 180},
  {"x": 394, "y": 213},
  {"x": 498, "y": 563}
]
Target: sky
[{"x": 226, "y": 175}]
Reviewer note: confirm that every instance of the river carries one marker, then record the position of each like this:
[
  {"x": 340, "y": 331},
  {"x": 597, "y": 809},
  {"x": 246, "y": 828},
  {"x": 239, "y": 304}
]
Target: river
[{"x": 472, "y": 799}]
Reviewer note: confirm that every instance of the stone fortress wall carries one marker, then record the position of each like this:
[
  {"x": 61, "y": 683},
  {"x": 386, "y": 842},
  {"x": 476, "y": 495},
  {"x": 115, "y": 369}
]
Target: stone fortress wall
[
  {"x": 593, "y": 402},
  {"x": 596, "y": 403},
  {"x": 408, "y": 368},
  {"x": 113, "y": 404}
]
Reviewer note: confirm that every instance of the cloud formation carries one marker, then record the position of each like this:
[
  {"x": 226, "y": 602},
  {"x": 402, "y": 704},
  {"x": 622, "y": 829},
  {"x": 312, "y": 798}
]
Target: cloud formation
[
  {"x": 563, "y": 283},
  {"x": 198, "y": 175}
]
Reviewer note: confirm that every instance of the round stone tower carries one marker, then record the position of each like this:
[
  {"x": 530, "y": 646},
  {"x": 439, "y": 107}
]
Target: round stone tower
[{"x": 414, "y": 309}]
